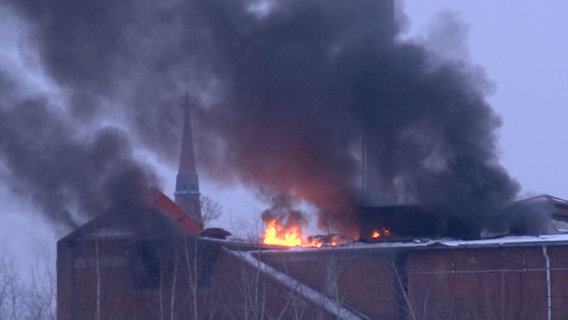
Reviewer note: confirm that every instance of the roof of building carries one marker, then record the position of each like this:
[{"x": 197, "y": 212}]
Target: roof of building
[
  {"x": 186, "y": 225},
  {"x": 109, "y": 224},
  {"x": 546, "y": 197},
  {"x": 427, "y": 244},
  {"x": 560, "y": 205}
]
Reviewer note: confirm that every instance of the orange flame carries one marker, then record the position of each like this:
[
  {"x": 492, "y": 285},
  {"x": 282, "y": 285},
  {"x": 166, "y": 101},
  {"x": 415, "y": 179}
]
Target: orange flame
[
  {"x": 313, "y": 243},
  {"x": 275, "y": 234},
  {"x": 377, "y": 234}
]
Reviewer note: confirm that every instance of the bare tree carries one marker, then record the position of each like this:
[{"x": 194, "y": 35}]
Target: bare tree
[
  {"x": 408, "y": 305},
  {"x": 210, "y": 209},
  {"x": 98, "y": 278},
  {"x": 167, "y": 256},
  {"x": 190, "y": 255},
  {"x": 9, "y": 285},
  {"x": 30, "y": 295},
  {"x": 39, "y": 299},
  {"x": 169, "y": 260},
  {"x": 251, "y": 288},
  {"x": 173, "y": 286},
  {"x": 181, "y": 289}
]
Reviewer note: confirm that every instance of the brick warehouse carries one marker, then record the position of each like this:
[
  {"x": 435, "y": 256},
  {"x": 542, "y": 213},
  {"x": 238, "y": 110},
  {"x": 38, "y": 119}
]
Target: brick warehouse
[
  {"x": 163, "y": 264},
  {"x": 151, "y": 277}
]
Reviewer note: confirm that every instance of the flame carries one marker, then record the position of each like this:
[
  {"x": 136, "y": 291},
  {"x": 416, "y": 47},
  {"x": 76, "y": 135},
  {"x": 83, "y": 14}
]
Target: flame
[
  {"x": 384, "y": 232},
  {"x": 313, "y": 243},
  {"x": 275, "y": 234}
]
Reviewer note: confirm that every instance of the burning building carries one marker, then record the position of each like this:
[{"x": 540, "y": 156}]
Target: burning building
[
  {"x": 106, "y": 272},
  {"x": 403, "y": 266},
  {"x": 314, "y": 102}
]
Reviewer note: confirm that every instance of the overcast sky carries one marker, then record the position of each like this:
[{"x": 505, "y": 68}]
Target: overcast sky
[
  {"x": 523, "y": 48},
  {"x": 520, "y": 44}
]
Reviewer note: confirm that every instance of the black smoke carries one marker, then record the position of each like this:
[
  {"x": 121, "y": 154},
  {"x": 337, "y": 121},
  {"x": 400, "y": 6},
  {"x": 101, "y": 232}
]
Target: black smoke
[
  {"x": 282, "y": 210},
  {"x": 286, "y": 91},
  {"x": 66, "y": 173}
]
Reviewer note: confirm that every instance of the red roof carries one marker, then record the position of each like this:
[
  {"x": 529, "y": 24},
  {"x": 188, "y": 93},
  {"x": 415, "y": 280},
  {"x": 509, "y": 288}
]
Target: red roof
[
  {"x": 187, "y": 225},
  {"x": 184, "y": 225}
]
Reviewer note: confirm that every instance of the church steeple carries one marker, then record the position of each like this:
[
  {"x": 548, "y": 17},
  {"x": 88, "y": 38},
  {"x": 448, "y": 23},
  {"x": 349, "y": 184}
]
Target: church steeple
[{"x": 187, "y": 183}]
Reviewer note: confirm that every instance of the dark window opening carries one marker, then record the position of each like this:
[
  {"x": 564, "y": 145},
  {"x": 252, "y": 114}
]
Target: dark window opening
[{"x": 145, "y": 267}]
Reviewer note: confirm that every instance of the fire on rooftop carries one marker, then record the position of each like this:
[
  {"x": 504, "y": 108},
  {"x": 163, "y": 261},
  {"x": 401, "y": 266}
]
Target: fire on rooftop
[{"x": 307, "y": 102}]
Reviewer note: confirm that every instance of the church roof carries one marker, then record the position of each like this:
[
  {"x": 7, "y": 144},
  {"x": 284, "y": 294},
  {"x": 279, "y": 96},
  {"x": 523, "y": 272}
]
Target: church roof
[
  {"x": 185, "y": 224},
  {"x": 161, "y": 216}
]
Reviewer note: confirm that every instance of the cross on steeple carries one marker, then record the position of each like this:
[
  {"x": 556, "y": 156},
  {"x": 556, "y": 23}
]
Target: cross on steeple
[{"x": 186, "y": 103}]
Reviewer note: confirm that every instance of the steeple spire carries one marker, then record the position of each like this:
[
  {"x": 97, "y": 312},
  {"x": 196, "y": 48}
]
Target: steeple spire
[{"x": 187, "y": 183}]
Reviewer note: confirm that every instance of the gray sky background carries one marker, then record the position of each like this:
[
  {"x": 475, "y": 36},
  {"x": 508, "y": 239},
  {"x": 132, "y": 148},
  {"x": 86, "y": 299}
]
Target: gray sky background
[{"x": 521, "y": 45}]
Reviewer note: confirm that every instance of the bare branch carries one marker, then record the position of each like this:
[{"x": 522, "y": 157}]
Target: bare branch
[{"x": 210, "y": 209}]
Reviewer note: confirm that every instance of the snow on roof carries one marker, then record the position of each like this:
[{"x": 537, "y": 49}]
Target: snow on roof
[
  {"x": 306, "y": 292},
  {"x": 549, "y": 239},
  {"x": 510, "y": 240},
  {"x": 545, "y": 197}
]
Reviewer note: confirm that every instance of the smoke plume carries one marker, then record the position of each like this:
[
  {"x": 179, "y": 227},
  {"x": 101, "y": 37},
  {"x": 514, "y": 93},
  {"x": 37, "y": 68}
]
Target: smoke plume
[{"x": 288, "y": 92}]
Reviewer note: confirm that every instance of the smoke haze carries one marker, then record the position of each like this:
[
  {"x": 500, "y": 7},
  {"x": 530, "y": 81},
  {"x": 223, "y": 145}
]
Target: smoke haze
[{"x": 286, "y": 92}]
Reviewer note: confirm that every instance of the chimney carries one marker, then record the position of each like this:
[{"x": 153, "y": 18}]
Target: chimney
[{"x": 187, "y": 184}]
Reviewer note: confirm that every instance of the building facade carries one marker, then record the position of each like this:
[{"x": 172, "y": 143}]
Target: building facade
[{"x": 105, "y": 275}]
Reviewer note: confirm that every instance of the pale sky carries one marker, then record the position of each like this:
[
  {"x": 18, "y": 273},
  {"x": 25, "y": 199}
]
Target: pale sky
[{"x": 522, "y": 47}]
